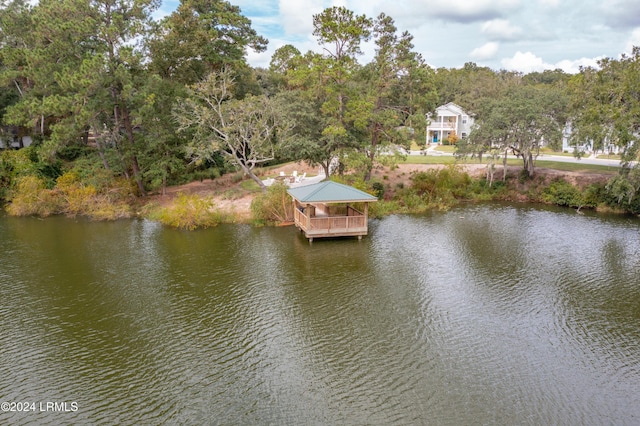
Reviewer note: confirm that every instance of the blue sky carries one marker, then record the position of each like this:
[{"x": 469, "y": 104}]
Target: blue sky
[{"x": 520, "y": 35}]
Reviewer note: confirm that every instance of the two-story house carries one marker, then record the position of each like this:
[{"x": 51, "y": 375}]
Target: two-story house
[{"x": 449, "y": 119}]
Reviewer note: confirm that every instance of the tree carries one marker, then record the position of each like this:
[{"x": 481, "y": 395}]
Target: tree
[
  {"x": 85, "y": 70},
  {"x": 284, "y": 59},
  {"x": 319, "y": 87},
  {"x": 387, "y": 111},
  {"x": 344, "y": 31},
  {"x": 247, "y": 131},
  {"x": 202, "y": 36},
  {"x": 519, "y": 123},
  {"x": 470, "y": 85},
  {"x": 606, "y": 110},
  {"x": 15, "y": 18}
]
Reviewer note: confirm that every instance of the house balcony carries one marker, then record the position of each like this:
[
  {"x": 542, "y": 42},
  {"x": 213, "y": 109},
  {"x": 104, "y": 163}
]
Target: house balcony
[{"x": 446, "y": 126}]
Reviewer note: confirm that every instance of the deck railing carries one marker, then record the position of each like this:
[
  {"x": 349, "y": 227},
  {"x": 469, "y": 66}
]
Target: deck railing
[{"x": 356, "y": 222}]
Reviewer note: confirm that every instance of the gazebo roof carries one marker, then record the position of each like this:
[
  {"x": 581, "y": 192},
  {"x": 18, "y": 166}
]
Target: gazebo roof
[{"x": 330, "y": 192}]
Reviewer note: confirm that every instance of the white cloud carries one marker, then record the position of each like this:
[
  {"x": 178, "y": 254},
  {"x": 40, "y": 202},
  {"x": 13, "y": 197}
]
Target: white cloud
[
  {"x": 259, "y": 59},
  {"x": 470, "y": 11},
  {"x": 487, "y": 51},
  {"x": 528, "y": 62},
  {"x": 573, "y": 67},
  {"x": 297, "y": 17},
  {"x": 500, "y": 29},
  {"x": 634, "y": 40},
  {"x": 549, "y": 3},
  {"x": 525, "y": 62}
]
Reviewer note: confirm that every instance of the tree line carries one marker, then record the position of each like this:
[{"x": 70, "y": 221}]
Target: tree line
[{"x": 105, "y": 90}]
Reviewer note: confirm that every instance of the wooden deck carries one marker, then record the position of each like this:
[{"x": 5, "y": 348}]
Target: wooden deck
[{"x": 354, "y": 223}]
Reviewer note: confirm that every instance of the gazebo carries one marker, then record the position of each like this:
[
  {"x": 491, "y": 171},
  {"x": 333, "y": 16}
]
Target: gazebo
[{"x": 326, "y": 209}]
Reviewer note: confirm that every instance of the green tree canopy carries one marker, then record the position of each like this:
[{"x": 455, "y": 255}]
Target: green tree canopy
[{"x": 202, "y": 36}]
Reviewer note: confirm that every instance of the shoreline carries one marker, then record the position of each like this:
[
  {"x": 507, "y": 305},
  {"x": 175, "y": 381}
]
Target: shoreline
[
  {"x": 231, "y": 200},
  {"x": 227, "y": 199}
]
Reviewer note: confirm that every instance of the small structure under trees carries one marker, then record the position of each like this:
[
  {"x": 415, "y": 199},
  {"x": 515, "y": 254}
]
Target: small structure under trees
[{"x": 330, "y": 209}]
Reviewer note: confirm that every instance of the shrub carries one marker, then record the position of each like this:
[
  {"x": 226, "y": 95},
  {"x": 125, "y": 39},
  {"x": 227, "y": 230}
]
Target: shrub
[
  {"x": 107, "y": 203},
  {"x": 237, "y": 177},
  {"x": 187, "y": 212},
  {"x": 275, "y": 205},
  {"x": 562, "y": 193},
  {"x": 31, "y": 197},
  {"x": 14, "y": 164},
  {"x": 378, "y": 189},
  {"x": 383, "y": 208},
  {"x": 446, "y": 183}
]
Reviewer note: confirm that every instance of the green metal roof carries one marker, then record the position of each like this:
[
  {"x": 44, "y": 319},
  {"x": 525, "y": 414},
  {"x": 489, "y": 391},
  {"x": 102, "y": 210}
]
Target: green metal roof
[{"x": 329, "y": 192}]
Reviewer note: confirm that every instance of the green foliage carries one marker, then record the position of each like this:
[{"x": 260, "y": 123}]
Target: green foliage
[
  {"x": 443, "y": 188},
  {"x": 623, "y": 190},
  {"x": 200, "y": 36},
  {"x": 441, "y": 183},
  {"x": 595, "y": 195},
  {"x": 519, "y": 122},
  {"x": 378, "y": 189},
  {"x": 13, "y": 165},
  {"x": 274, "y": 205},
  {"x": 562, "y": 193},
  {"x": 384, "y": 208},
  {"x": 188, "y": 211}
]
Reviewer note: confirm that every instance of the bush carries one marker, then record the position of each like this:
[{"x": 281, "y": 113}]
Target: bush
[
  {"x": 31, "y": 197},
  {"x": 72, "y": 197},
  {"x": 562, "y": 193},
  {"x": 187, "y": 212},
  {"x": 378, "y": 189},
  {"x": 448, "y": 183},
  {"x": 14, "y": 164},
  {"x": 275, "y": 205},
  {"x": 383, "y": 208}
]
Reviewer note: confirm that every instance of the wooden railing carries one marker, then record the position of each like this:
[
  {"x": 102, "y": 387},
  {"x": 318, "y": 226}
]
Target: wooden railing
[{"x": 356, "y": 222}]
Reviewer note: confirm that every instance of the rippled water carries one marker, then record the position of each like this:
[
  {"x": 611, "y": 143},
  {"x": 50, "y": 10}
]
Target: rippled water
[{"x": 486, "y": 314}]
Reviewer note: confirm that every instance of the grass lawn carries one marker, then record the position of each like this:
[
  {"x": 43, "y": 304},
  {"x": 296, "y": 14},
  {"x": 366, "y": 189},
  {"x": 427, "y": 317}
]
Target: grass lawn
[
  {"x": 557, "y": 165},
  {"x": 575, "y": 167}
]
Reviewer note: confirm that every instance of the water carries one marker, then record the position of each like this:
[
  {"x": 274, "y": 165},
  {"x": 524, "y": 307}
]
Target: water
[{"x": 487, "y": 314}]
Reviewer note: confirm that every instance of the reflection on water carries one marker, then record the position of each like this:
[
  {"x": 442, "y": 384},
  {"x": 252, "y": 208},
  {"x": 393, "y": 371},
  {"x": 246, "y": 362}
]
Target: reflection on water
[{"x": 484, "y": 314}]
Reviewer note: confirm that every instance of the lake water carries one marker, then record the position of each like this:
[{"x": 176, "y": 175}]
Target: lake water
[{"x": 486, "y": 314}]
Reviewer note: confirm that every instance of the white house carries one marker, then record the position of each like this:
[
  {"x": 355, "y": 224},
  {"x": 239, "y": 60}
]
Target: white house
[
  {"x": 15, "y": 142},
  {"x": 449, "y": 119},
  {"x": 587, "y": 146}
]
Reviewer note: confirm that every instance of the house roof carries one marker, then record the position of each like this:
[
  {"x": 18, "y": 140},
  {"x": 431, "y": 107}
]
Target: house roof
[
  {"x": 451, "y": 107},
  {"x": 329, "y": 192}
]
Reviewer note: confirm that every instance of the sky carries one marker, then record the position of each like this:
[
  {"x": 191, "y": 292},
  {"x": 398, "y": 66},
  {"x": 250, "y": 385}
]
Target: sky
[{"x": 514, "y": 35}]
